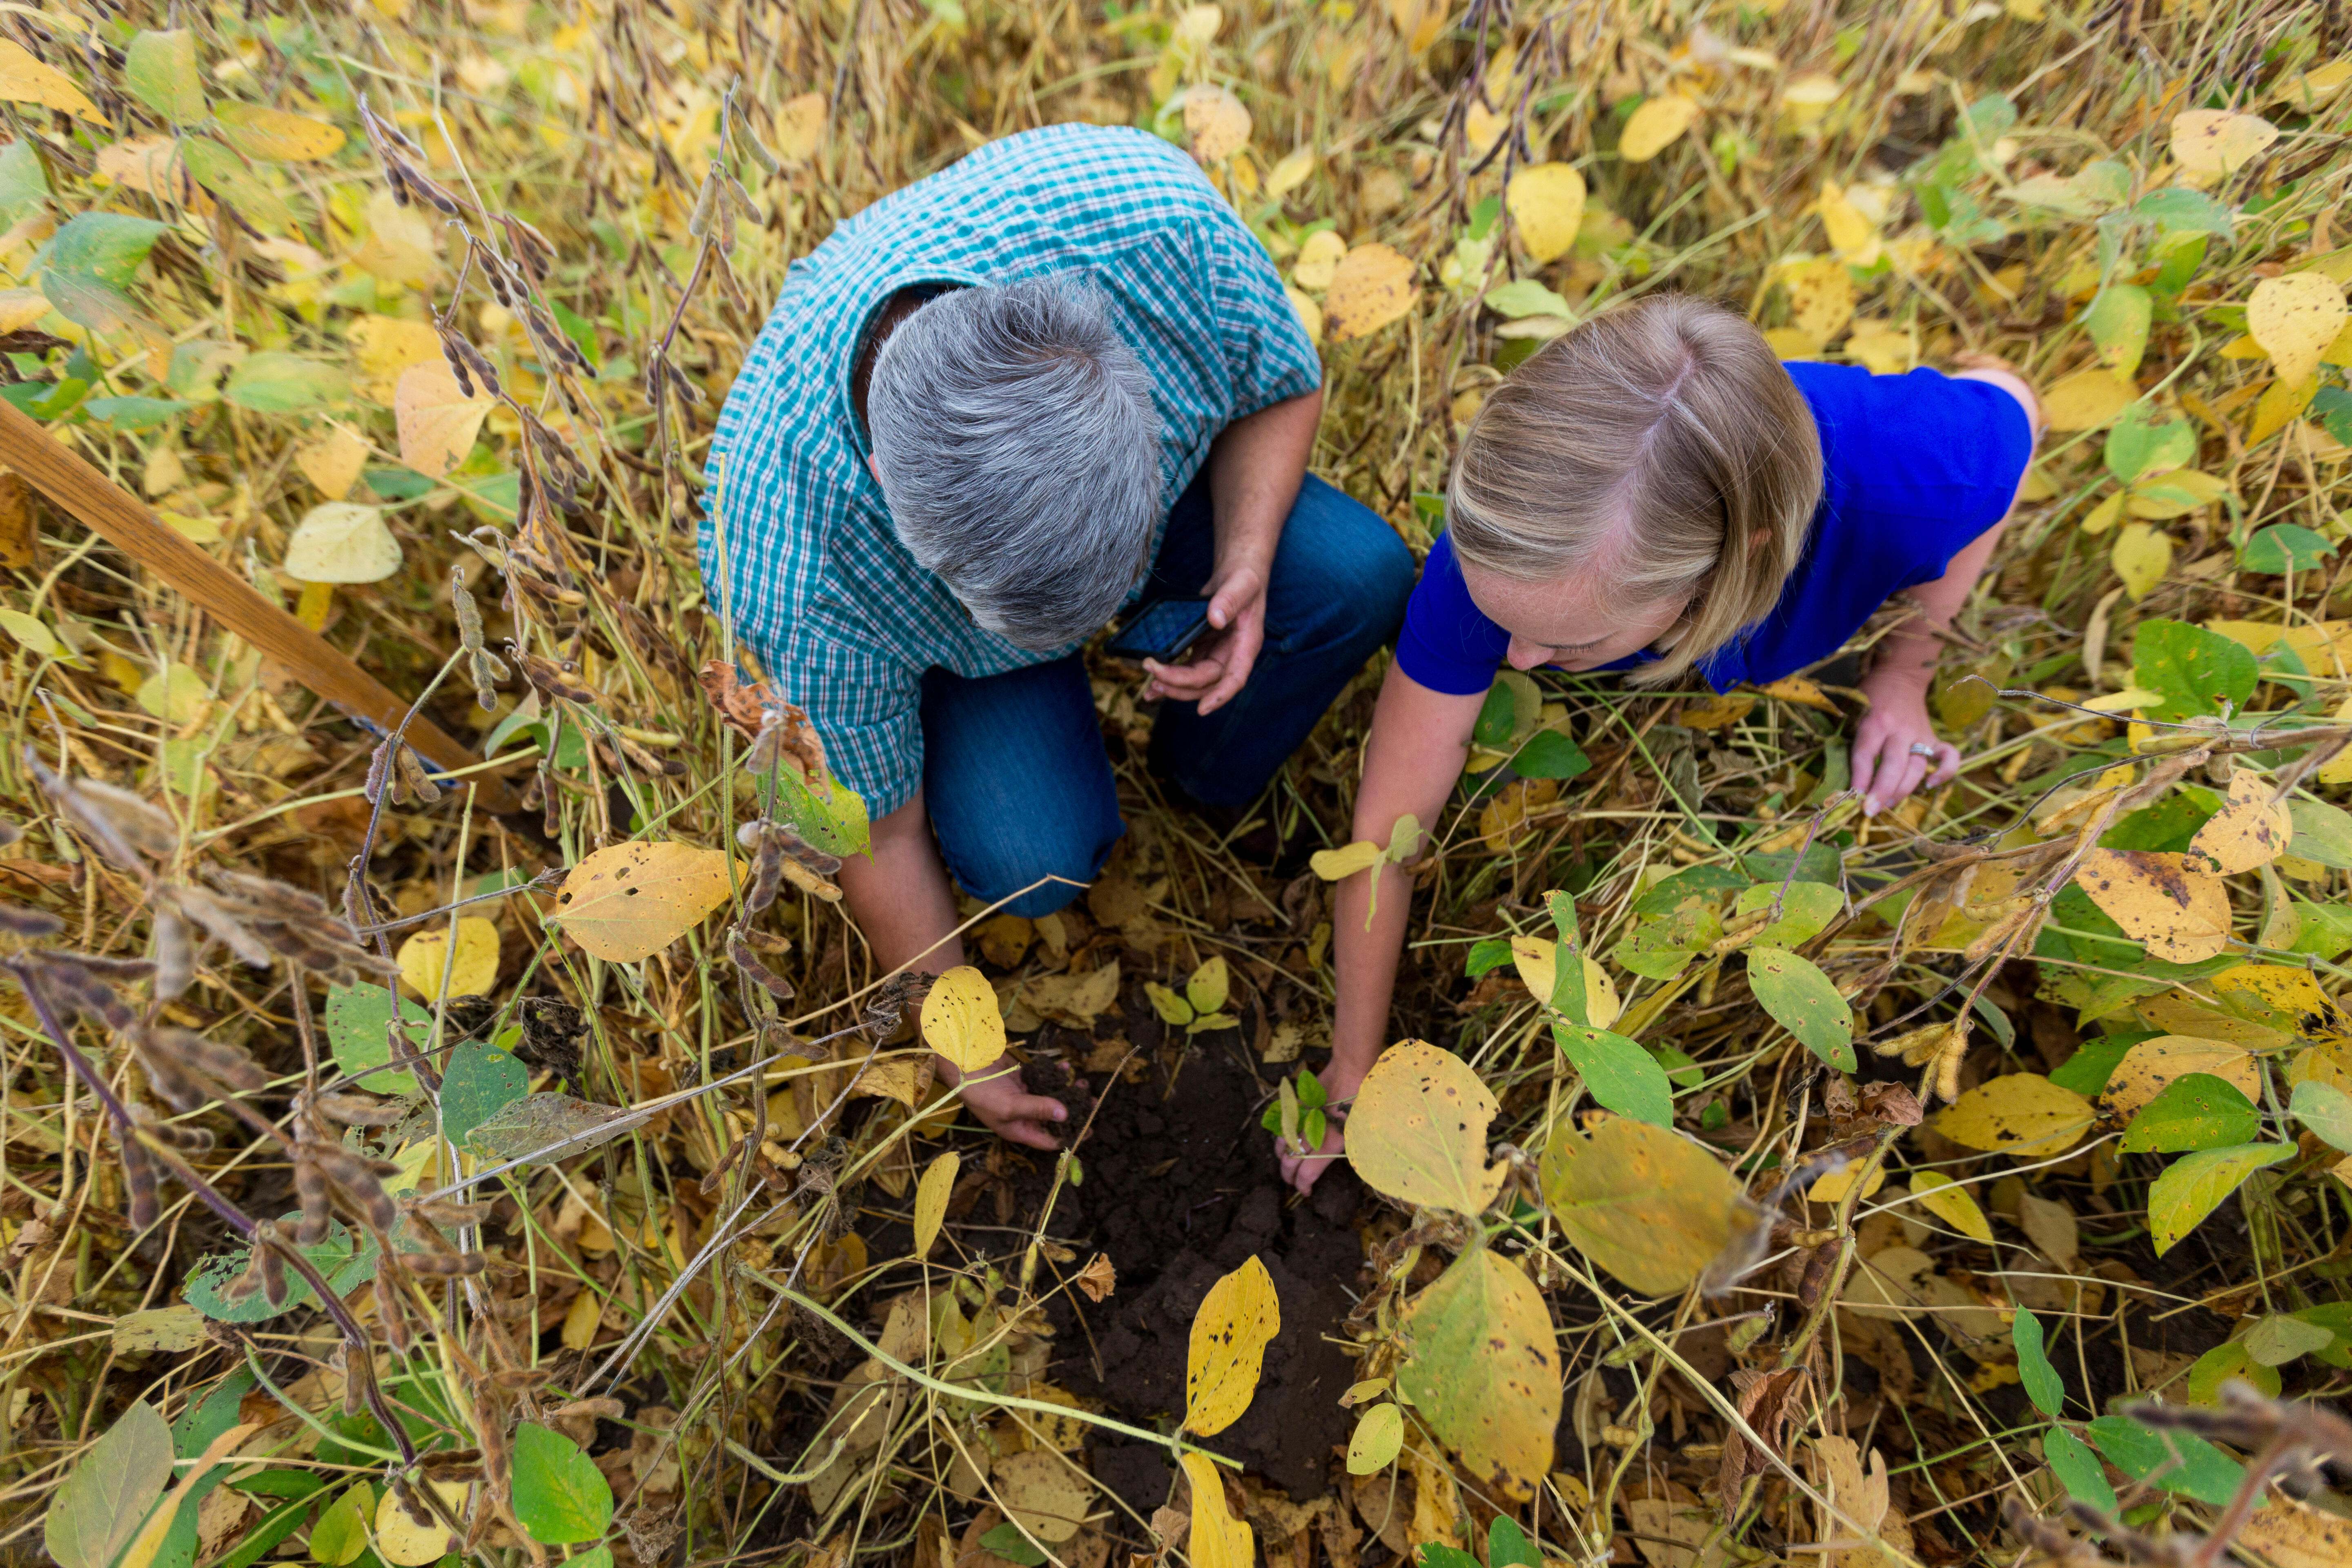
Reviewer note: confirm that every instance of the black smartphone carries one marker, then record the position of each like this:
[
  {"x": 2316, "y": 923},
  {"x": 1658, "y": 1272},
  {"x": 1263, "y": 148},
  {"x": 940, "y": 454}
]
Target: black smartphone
[{"x": 1162, "y": 629}]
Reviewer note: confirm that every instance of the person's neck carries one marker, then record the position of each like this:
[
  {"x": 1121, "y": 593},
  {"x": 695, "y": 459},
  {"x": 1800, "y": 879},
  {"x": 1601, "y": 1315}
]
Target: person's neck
[{"x": 894, "y": 310}]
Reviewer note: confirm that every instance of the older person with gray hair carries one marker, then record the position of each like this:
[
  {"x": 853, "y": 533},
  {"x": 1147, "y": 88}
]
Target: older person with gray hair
[{"x": 987, "y": 414}]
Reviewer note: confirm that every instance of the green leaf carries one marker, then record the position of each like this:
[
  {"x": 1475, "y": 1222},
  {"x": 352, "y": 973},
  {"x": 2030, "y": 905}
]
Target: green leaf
[
  {"x": 2136, "y": 446},
  {"x": 1437, "y": 1554},
  {"x": 1497, "y": 716},
  {"x": 1567, "y": 997},
  {"x": 2177, "y": 210},
  {"x": 1622, "y": 1076},
  {"x": 1549, "y": 754},
  {"x": 1527, "y": 297},
  {"x": 2077, "y": 1470},
  {"x": 272, "y": 1528},
  {"x": 1007, "y": 1542},
  {"x": 1806, "y": 910},
  {"x": 275, "y": 383},
  {"x": 2323, "y": 930},
  {"x": 359, "y": 1033},
  {"x": 346, "y": 1266},
  {"x": 2325, "y": 1109},
  {"x": 2095, "y": 1061},
  {"x": 2225, "y": 1361},
  {"x": 2285, "y": 547},
  {"x": 1485, "y": 1371},
  {"x": 560, "y": 1496},
  {"x": 2194, "y": 671},
  {"x": 2195, "y": 1185},
  {"x": 2118, "y": 321},
  {"x": 1508, "y": 1545},
  {"x": 133, "y": 414},
  {"x": 342, "y": 1532},
  {"x": 2322, "y": 832},
  {"x": 2175, "y": 1460},
  {"x": 835, "y": 824},
  {"x": 2282, "y": 1337},
  {"x": 107, "y": 247},
  {"x": 159, "y": 69},
  {"x": 1379, "y": 1435},
  {"x": 23, "y": 182},
  {"x": 1803, "y": 1001},
  {"x": 2195, "y": 1110},
  {"x": 1486, "y": 954},
  {"x": 107, "y": 1495},
  {"x": 2042, "y": 1385},
  {"x": 225, "y": 176},
  {"x": 481, "y": 1082}
]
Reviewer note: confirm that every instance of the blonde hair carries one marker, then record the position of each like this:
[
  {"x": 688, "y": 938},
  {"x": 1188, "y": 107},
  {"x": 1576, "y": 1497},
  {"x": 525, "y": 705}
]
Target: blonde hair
[{"x": 1651, "y": 443}]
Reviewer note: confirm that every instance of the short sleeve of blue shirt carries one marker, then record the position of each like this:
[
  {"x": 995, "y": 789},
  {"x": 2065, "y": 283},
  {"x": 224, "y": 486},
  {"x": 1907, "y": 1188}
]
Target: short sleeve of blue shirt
[{"x": 1915, "y": 469}]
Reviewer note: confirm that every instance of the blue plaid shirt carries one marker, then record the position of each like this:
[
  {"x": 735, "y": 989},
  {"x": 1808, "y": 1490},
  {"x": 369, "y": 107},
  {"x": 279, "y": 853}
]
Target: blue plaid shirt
[{"x": 798, "y": 548}]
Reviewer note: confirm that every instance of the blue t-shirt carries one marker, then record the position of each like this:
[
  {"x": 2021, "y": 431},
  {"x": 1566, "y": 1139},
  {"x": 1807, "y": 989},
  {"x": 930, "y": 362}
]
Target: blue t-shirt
[{"x": 1914, "y": 470}]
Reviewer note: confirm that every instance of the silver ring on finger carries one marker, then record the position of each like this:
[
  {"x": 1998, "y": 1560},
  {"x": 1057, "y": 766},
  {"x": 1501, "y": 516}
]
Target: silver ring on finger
[{"x": 1927, "y": 749}]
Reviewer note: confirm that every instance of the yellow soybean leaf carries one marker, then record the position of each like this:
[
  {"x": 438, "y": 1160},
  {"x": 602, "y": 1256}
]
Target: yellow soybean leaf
[
  {"x": 1537, "y": 960},
  {"x": 34, "y": 633},
  {"x": 2294, "y": 318},
  {"x": 2296, "y": 1535},
  {"x": 800, "y": 127},
  {"x": 2141, "y": 556},
  {"x": 1215, "y": 122},
  {"x": 1372, "y": 287},
  {"x": 1852, "y": 234},
  {"x": 1949, "y": 1201},
  {"x": 1655, "y": 126},
  {"x": 580, "y": 1321},
  {"x": 2211, "y": 142},
  {"x": 1045, "y": 1492},
  {"x": 1236, "y": 1318},
  {"x": 425, "y": 956},
  {"x": 1547, "y": 207},
  {"x": 1642, "y": 1202},
  {"x": 2086, "y": 400},
  {"x": 2283, "y": 988},
  {"x": 382, "y": 347},
  {"x": 1291, "y": 173},
  {"x": 260, "y": 131},
  {"x": 1833, "y": 1188},
  {"x": 1820, "y": 300},
  {"x": 932, "y": 1194},
  {"x": 437, "y": 418},
  {"x": 403, "y": 1542},
  {"x": 2021, "y": 1113},
  {"x": 23, "y": 80},
  {"x": 333, "y": 462},
  {"x": 1309, "y": 313},
  {"x": 1419, "y": 1130},
  {"x": 1718, "y": 712},
  {"x": 2280, "y": 404},
  {"x": 1338, "y": 865},
  {"x": 1211, "y": 986},
  {"x": 2149, "y": 1066},
  {"x": 961, "y": 1020},
  {"x": 2247, "y": 832},
  {"x": 1319, "y": 259},
  {"x": 2182, "y": 914},
  {"x": 631, "y": 901},
  {"x": 1218, "y": 1538},
  {"x": 340, "y": 542},
  {"x": 1378, "y": 1437}
]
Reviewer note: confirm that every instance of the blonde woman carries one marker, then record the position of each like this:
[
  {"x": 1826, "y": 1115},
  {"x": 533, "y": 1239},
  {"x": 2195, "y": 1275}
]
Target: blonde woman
[{"x": 1655, "y": 491}]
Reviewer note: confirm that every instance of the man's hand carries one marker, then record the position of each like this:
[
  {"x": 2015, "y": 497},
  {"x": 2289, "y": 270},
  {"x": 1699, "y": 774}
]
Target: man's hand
[
  {"x": 996, "y": 1096},
  {"x": 1303, "y": 1171},
  {"x": 1886, "y": 767},
  {"x": 1222, "y": 659}
]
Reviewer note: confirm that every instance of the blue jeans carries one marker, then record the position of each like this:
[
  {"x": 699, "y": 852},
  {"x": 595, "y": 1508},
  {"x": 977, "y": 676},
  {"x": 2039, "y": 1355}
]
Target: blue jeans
[{"x": 1014, "y": 776}]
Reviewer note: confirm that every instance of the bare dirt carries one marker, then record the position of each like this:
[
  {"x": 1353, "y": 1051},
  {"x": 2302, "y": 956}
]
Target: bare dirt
[{"x": 1181, "y": 1187}]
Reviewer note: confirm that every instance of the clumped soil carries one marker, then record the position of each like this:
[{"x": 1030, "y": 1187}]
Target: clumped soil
[{"x": 1181, "y": 1187}]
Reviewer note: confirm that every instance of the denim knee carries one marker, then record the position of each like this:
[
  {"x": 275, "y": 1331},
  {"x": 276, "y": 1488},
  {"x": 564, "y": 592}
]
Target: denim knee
[
  {"x": 1363, "y": 573},
  {"x": 1005, "y": 865}
]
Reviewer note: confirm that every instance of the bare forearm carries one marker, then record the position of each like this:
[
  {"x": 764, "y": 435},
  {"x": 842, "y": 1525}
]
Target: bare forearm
[
  {"x": 900, "y": 898},
  {"x": 1910, "y": 652},
  {"x": 1365, "y": 958},
  {"x": 1255, "y": 466}
]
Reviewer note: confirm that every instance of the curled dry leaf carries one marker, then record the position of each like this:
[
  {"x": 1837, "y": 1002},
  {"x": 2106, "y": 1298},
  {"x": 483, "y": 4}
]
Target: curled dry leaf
[{"x": 631, "y": 901}]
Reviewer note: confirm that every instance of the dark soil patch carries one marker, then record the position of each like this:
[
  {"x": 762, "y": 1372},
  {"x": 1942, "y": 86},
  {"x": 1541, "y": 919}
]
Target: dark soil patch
[{"x": 1181, "y": 1187}]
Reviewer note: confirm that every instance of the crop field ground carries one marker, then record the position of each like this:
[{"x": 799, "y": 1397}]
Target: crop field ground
[{"x": 383, "y": 1183}]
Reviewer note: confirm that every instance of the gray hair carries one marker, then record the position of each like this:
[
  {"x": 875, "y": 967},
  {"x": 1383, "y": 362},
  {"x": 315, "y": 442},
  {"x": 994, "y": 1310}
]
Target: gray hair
[{"x": 1018, "y": 449}]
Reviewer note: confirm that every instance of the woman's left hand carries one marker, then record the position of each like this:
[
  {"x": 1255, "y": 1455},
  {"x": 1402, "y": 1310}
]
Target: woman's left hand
[{"x": 1894, "y": 747}]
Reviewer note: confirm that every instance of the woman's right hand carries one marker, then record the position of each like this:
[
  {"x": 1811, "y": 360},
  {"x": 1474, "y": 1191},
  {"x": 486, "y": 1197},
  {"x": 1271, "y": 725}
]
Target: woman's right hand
[{"x": 1302, "y": 1171}]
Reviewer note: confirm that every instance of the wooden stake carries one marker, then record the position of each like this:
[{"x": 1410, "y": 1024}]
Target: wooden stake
[{"x": 116, "y": 516}]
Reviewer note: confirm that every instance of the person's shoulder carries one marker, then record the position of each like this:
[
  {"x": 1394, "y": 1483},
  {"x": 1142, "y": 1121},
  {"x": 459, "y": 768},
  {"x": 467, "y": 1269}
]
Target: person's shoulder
[
  {"x": 1080, "y": 163},
  {"x": 1918, "y": 444}
]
